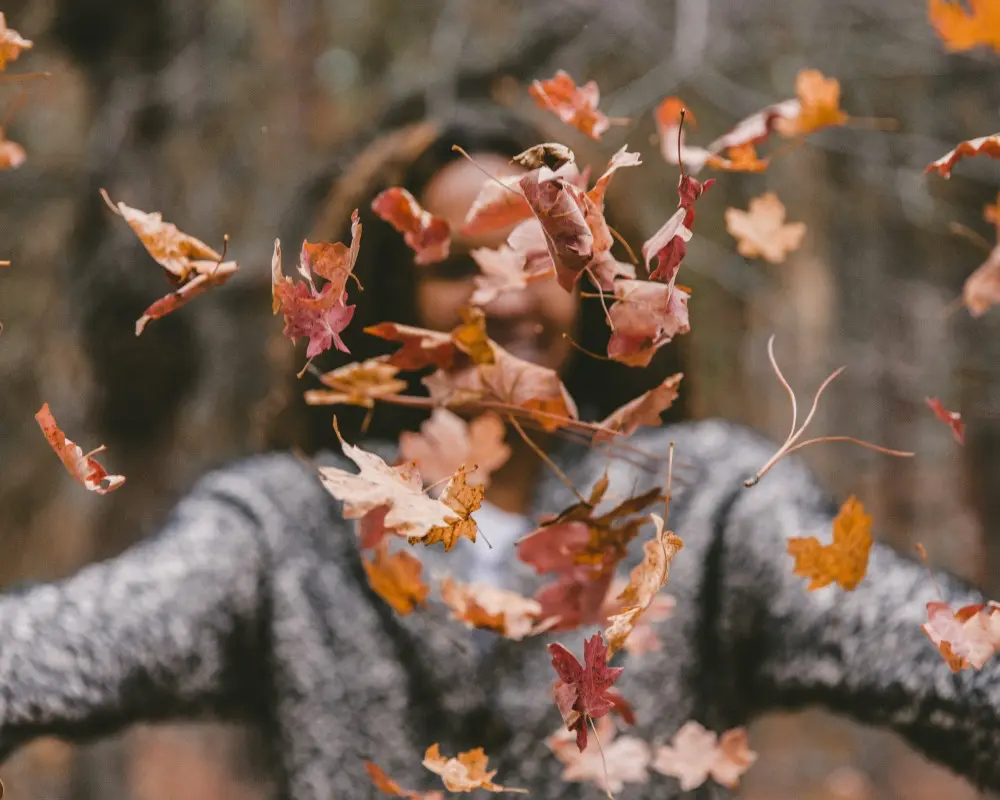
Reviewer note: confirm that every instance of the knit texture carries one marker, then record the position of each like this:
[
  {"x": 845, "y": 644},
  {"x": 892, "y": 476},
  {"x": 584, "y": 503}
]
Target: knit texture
[{"x": 252, "y": 602}]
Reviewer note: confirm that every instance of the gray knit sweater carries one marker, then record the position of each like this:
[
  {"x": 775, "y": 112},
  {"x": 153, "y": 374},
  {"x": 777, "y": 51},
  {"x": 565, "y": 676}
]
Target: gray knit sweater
[{"x": 252, "y": 602}]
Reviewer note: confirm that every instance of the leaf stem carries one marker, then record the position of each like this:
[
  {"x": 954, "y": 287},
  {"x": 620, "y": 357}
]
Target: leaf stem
[
  {"x": 670, "y": 478},
  {"x": 545, "y": 459},
  {"x": 604, "y": 762}
]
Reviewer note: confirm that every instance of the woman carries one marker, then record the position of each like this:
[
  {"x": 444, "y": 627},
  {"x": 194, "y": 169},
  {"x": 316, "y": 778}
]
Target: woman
[{"x": 252, "y": 601}]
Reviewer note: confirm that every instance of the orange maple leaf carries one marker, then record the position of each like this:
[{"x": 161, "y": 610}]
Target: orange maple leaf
[
  {"x": 574, "y": 105},
  {"x": 740, "y": 158},
  {"x": 762, "y": 231},
  {"x": 819, "y": 105},
  {"x": 462, "y": 499},
  {"x": 962, "y": 30},
  {"x": 482, "y": 606},
  {"x": 846, "y": 559},
  {"x": 396, "y": 578},
  {"x": 466, "y": 773}
]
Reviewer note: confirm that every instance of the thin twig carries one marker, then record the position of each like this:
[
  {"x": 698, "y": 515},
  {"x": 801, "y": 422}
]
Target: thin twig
[
  {"x": 604, "y": 763},
  {"x": 548, "y": 461},
  {"x": 877, "y": 448},
  {"x": 621, "y": 239},
  {"x": 584, "y": 350},
  {"x": 670, "y": 478},
  {"x": 486, "y": 172},
  {"x": 600, "y": 293}
]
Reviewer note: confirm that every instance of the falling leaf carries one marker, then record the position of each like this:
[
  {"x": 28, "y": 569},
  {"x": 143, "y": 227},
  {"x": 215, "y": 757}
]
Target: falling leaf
[
  {"x": 623, "y": 158},
  {"x": 428, "y": 236},
  {"x": 846, "y": 559},
  {"x": 739, "y": 158},
  {"x": 502, "y": 272},
  {"x": 358, "y": 384},
  {"x": 581, "y": 691},
  {"x": 482, "y": 606},
  {"x": 387, "y": 785},
  {"x": 409, "y": 512},
  {"x": 396, "y": 579},
  {"x": 762, "y": 231},
  {"x": 462, "y": 500},
  {"x": 470, "y": 336},
  {"x": 421, "y": 347},
  {"x": 84, "y": 468},
  {"x": 317, "y": 315},
  {"x": 11, "y": 43},
  {"x": 528, "y": 241},
  {"x": 983, "y": 146},
  {"x": 645, "y": 316},
  {"x": 962, "y": 29},
  {"x": 982, "y": 288},
  {"x": 189, "y": 262},
  {"x": 522, "y": 384},
  {"x": 466, "y": 773},
  {"x": 553, "y": 155},
  {"x": 446, "y": 441},
  {"x": 643, "y": 410},
  {"x": 643, "y": 638},
  {"x": 819, "y": 105},
  {"x": 498, "y": 205},
  {"x": 950, "y": 418},
  {"x": 610, "y": 765},
  {"x": 967, "y": 637},
  {"x": 12, "y": 155},
  {"x": 697, "y": 753},
  {"x": 574, "y": 105},
  {"x": 560, "y": 208},
  {"x": 673, "y": 146},
  {"x": 669, "y": 246},
  {"x": 645, "y": 581}
]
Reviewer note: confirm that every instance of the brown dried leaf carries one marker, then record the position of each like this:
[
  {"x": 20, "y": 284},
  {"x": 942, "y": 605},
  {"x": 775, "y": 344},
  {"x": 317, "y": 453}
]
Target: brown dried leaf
[
  {"x": 84, "y": 468},
  {"x": 643, "y": 410},
  {"x": 466, "y": 773},
  {"x": 396, "y": 579},
  {"x": 762, "y": 231},
  {"x": 446, "y": 442}
]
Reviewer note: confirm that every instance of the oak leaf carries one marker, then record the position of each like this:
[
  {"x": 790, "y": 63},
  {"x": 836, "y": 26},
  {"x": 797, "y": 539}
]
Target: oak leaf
[
  {"x": 610, "y": 765},
  {"x": 581, "y": 690},
  {"x": 189, "y": 262},
  {"x": 446, "y": 442},
  {"x": 845, "y": 561},
  {"x": 696, "y": 753},
  {"x": 574, "y": 105},
  {"x": 387, "y": 785},
  {"x": 962, "y": 29},
  {"x": 396, "y": 579},
  {"x": 981, "y": 290},
  {"x": 950, "y": 418},
  {"x": 645, "y": 316},
  {"x": 643, "y": 410},
  {"x": 428, "y": 236},
  {"x": 358, "y": 383},
  {"x": 983, "y": 146},
  {"x": 83, "y": 467},
  {"x": 12, "y": 44},
  {"x": 644, "y": 583},
  {"x": 466, "y": 773},
  {"x": 409, "y": 512},
  {"x": 482, "y": 606},
  {"x": 965, "y": 638},
  {"x": 762, "y": 231}
]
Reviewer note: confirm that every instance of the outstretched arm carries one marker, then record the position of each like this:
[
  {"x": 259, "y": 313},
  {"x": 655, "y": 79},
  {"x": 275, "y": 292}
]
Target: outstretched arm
[
  {"x": 169, "y": 628},
  {"x": 860, "y": 653}
]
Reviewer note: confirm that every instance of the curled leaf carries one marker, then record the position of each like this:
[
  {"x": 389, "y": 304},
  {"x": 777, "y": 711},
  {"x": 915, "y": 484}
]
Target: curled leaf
[
  {"x": 645, "y": 316},
  {"x": 85, "y": 468},
  {"x": 643, "y": 410},
  {"x": 357, "y": 384},
  {"x": 481, "y": 606},
  {"x": 396, "y": 579},
  {"x": 428, "y": 236},
  {"x": 498, "y": 205},
  {"x": 950, "y": 418},
  {"x": 981, "y": 290},
  {"x": 965, "y": 638},
  {"x": 387, "y": 785},
  {"x": 983, "y": 146},
  {"x": 12, "y": 44},
  {"x": 12, "y": 155}
]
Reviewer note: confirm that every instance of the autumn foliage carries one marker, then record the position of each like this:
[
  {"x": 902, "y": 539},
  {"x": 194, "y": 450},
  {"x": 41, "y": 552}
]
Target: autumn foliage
[{"x": 479, "y": 396}]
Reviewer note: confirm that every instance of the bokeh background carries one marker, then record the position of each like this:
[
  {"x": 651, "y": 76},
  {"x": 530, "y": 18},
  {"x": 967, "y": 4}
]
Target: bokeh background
[{"x": 220, "y": 112}]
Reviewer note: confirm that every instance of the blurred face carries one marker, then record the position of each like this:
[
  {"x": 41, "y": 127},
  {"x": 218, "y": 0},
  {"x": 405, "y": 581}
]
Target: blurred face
[{"x": 529, "y": 324}]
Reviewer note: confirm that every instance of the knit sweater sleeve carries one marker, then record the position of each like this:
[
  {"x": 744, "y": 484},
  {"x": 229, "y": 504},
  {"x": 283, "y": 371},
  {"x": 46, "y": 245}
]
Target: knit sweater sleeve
[
  {"x": 773, "y": 644},
  {"x": 170, "y": 628}
]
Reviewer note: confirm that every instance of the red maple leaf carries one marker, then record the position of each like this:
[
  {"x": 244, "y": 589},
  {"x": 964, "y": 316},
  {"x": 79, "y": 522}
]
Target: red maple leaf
[
  {"x": 951, "y": 418},
  {"x": 428, "y": 236},
  {"x": 582, "y": 689}
]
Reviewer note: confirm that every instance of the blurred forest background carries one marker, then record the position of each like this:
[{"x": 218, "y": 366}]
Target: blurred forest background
[{"x": 219, "y": 112}]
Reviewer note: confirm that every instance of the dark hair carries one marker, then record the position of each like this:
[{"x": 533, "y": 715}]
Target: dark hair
[{"x": 390, "y": 287}]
